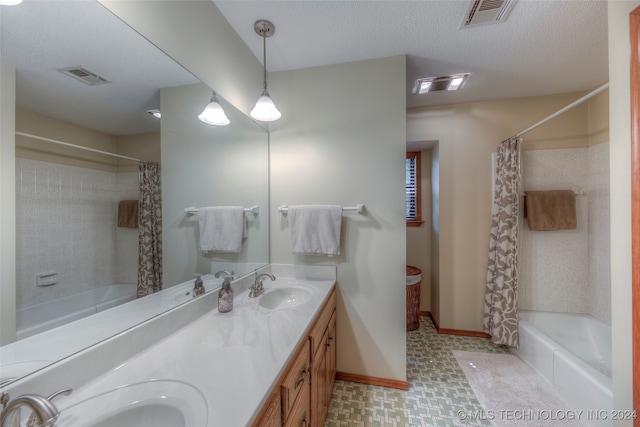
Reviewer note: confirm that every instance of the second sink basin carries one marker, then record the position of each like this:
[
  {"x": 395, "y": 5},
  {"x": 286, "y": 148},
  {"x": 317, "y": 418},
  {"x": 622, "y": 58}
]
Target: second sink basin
[
  {"x": 287, "y": 297},
  {"x": 158, "y": 403}
]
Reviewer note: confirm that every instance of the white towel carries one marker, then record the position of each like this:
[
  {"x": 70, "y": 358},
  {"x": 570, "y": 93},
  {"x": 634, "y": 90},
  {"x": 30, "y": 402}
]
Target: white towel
[
  {"x": 315, "y": 229},
  {"x": 222, "y": 228}
]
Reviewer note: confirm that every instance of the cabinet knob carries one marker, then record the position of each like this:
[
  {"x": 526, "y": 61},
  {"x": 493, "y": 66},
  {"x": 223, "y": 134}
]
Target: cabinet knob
[
  {"x": 300, "y": 380},
  {"x": 303, "y": 423},
  {"x": 328, "y": 343}
]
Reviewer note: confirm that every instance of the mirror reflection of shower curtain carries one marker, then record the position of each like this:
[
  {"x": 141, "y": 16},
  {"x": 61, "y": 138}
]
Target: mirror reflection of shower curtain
[
  {"x": 149, "y": 230},
  {"x": 501, "y": 295}
]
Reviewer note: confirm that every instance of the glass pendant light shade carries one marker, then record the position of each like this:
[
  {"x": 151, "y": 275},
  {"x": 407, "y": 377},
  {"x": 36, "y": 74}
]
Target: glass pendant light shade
[
  {"x": 213, "y": 113},
  {"x": 265, "y": 110}
]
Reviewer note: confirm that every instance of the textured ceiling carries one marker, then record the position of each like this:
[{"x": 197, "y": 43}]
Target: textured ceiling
[
  {"x": 543, "y": 47},
  {"x": 39, "y": 37}
]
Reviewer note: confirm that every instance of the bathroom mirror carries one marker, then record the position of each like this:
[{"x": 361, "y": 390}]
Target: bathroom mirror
[{"x": 68, "y": 241}]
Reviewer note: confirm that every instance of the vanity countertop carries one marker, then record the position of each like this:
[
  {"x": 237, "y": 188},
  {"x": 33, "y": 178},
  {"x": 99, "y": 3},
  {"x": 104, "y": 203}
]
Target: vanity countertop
[{"x": 233, "y": 359}]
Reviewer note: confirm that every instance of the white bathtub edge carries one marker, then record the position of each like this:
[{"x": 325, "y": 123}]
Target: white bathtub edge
[
  {"x": 578, "y": 383},
  {"x": 536, "y": 350},
  {"x": 573, "y": 377}
]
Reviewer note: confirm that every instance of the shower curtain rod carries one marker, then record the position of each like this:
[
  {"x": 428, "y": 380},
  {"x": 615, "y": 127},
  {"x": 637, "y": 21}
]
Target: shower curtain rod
[
  {"x": 568, "y": 107},
  {"x": 55, "y": 141}
]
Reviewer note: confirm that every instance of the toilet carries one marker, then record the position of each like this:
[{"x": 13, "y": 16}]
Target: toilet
[{"x": 414, "y": 281}]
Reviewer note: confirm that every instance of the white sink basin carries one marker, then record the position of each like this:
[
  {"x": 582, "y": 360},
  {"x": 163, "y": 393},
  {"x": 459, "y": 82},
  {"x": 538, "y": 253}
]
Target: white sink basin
[
  {"x": 158, "y": 403},
  {"x": 152, "y": 414},
  {"x": 293, "y": 295}
]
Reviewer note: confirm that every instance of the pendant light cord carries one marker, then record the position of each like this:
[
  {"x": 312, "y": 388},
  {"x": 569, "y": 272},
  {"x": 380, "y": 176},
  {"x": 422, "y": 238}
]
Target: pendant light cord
[{"x": 264, "y": 58}]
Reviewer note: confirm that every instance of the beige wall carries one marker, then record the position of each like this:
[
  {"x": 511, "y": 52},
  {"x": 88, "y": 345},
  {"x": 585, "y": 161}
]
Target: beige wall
[
  {"x": 37, "y": 124},
  {"x": 620, "y": 149},
  {"x": 141, "y": 146},
  {"x": 8, "y": 211},
  {"x": 144, "y": 146},
  {"x": 419, "y": 238},
  {"x": 434, "y": 281},
  {"x": 336, "y": 143},
  {"x": 467, "y": 136},
  {"x": 598, "y": 129},
  {"x": 569, "y": 130}
]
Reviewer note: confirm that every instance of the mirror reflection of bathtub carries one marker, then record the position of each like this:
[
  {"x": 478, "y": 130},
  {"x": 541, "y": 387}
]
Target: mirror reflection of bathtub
[
  {"x": 40, "y": 350},
  {"x": 75, "y": 327},
  {"x": 37, "y": 318}
]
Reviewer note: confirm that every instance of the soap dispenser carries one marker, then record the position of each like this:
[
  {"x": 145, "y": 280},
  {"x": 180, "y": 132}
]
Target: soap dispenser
[
  {"x": 225, "y": 296},
  {"x": 198, "y": 286}
]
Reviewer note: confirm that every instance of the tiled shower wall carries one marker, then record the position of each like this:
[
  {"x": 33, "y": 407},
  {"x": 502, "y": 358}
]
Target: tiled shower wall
[
  {"x": 66, "y": 223},
  {"x": 568, "y": 270},
  {"x": 599, "y": 226}
]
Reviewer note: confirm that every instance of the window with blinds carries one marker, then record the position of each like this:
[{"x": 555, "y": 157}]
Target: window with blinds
[{"x": 412, "y": 187}]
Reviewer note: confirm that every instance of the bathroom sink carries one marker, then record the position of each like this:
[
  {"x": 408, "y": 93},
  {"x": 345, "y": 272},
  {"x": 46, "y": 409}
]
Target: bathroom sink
[
  {"x": 152, "y": 414},
  {"x": 158, "y": 403},
  {"x": 293, "y": 295}
]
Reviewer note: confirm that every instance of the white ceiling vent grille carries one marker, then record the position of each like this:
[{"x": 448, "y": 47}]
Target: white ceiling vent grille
[
  {"x": 483, "y": 12},
  {"x": 85, "y": 76}
]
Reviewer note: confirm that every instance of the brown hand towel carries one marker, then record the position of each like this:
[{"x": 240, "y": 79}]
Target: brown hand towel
[
  {"x": 128, "y": 213},
  {"x": 551, "y": 210}
]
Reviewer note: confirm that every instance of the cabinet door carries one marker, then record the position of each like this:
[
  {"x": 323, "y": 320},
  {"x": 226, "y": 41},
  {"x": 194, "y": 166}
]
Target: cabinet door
[
  {"x": 300, "y": 413},
  {"x": 270, "y": 416},
  {"x": 319, "y": 385},
  {"x": 331, "y": 358},
  {"x": 295, "y": 380},
  {"x": 320, "y": 326}
]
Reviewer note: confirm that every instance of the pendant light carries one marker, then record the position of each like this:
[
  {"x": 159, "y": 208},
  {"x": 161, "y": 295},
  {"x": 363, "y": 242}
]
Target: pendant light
[
  {"x": 265, "y": 110},
  {"x": 213, "y": 113}
]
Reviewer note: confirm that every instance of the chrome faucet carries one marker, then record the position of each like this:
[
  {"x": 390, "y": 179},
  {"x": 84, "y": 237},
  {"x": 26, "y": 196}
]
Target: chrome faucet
[
  {"x": 225, "y": 272},
  {"x": 44, "y": 413},
  {"x": 257, "y": 288},
  {"x": 228, "y": 277}
]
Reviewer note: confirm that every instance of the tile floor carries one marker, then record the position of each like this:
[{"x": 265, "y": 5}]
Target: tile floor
[{"x": 438, "y": 388}]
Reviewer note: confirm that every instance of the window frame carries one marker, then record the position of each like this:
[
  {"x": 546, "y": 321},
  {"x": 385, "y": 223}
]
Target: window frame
[{"x": 417, "y": 222}]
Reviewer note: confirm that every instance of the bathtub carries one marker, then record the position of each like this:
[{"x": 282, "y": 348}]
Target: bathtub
[
  {"x": 573, "y": 352},
  {"x": 38, "y": 318}
]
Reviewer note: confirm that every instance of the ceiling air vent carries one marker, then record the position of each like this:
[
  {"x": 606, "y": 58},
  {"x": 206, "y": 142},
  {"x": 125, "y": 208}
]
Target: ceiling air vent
[
  {"x": 482, "y": 12},
  {"x": 85, "y": 76}
]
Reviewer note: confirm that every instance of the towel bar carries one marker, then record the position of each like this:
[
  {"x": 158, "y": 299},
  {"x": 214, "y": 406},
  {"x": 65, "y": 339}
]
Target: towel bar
[
  {"x": 193, "y": 210},
  {"x": 358, "y": 208}
]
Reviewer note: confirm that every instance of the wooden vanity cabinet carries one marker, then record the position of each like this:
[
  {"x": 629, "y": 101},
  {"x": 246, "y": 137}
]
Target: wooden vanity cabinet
[
  {"x": 294, "y": 388},
  {"x": 301, "y": 397},
  {"x": 323, "y": 362},
  {"x": 300, "y": 413},
  {"x": 331, "y": 352},
  {"x": 288, "y": 404}
]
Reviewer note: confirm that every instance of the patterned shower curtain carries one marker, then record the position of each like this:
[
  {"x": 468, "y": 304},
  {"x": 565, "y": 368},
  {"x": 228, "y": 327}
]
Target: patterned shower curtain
[
  {"x": 501, "y": 295},
  {"x": 149, "y": 230}
]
